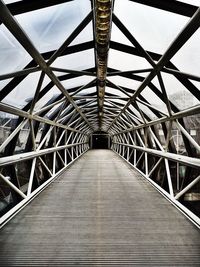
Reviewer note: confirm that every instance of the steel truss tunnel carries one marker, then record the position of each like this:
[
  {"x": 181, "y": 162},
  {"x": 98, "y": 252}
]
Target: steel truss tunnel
[{"x": 128, "y": 70}]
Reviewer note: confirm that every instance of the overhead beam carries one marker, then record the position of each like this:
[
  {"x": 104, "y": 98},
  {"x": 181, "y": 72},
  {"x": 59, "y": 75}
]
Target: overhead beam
[
  {"x": 176, "y": 7},
  {"x": 18, "y": 112},
  {"x": 154, "y": 89},
  {"x": 20, "y": 7},
  {"x": 24, "y": 40},
  {"x": 31, "y": 65},
  {"x": 179, "y": 41},
  {"x": 181, "y": 114},
  {"x": 114, "y": 73},
  {"x": 71, "y": 37},
  {"x": 181, "y": 74},
  {"x": 102, "y": 13},
  {"x": 86, "y": 73},
  {"x": 182, "y": 77},
  {"x": 132, "y": 39},
  {"x": 19, "y": 73}
]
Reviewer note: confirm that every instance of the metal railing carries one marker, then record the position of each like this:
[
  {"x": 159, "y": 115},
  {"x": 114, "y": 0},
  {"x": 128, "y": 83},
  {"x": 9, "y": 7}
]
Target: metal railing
[{"x": 174, "y": 175}]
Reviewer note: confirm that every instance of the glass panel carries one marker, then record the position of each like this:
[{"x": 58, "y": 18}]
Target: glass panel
[
  {"x": 6, "y": 198},
  {"x": 178, "y": 140},
  {"x": 87, "y": 91},
  {"x": 177, "y": 93},
  {"x": 147, "y": 24},
  {"x": 154, "y": 100},
  {"x": 114, "y": 91},
  {"x": 160, "y": 134},
  {"x": 23, "y": 170},
  {"x": 147, "y": 111},
  {"x": 77, "y": 61},
  {"x": 67, "y": 111},
  {"x": 13, "y": 56},
  {"x": 49, "y": 27},
  {"x": 41, "y": 174},
  {"x": 48, "y": 97},
  {"x": 46, "y": 81},
  {"x": 84, "y": 36},
  {"x": 53, "y": 109},
  {"x": 77, "y": 82},
  {"x": 125, "y": 82},
  {"x": 7, "y": 121},
  {"x": 3, "y": 83},
  {"x": 156, "y": 82},
  {"x": 38, "y": 135},
  {"x": 192, "y": 126},
  {"x": 123, "y": 61},
  {"x": 136, "y": 113},
  {"x": 118, "y": 102},
  {"x": 191, "y": 2},
  {"x": 108, "y": 104},
  {"x": 118, "y": 36},
  {"x": 24, "y": 92},
  {"x": 22, "y": 139},
  {"x": 187, "y": 58},
  {"x": 10, "y": 1},
  {"x": 197, "y": 84}
]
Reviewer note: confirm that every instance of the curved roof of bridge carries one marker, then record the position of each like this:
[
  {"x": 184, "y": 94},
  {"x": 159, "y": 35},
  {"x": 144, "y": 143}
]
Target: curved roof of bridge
[{"x": 49, "y": 63}]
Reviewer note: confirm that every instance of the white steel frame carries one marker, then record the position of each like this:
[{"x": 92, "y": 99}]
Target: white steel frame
[
  {"x": 124, "y": 148},
  {"x": 70, "y": 119}
]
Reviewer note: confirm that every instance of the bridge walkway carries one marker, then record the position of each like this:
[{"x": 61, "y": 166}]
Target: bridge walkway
[{"x": 100, "y": 212}]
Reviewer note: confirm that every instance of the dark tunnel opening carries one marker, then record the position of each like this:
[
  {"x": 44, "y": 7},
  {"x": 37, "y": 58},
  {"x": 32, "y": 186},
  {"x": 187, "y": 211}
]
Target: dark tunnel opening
[{"x": 100, "y": 140}]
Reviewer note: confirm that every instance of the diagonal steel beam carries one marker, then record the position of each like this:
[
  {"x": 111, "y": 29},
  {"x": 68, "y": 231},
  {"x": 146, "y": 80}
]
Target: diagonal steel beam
[
  {"x": 114, "y": 73},
  {"x": 16, "y": 111},
  {"x": 181, "y": 76},
  {"x": 171, "y": 6},
  {"x": 132, "y": 39},
  {"x": 19, "y": 73},
  {"x": 72, "y": 36},
  {"x": 46, "y": 55},
  {"x": 79, "y": 72},
  {"x": 181, "y": 114},
  {"x": 24, "y": 40},
  {"x": 180, "y": 40},
  {"x": 20, "y": 7}
]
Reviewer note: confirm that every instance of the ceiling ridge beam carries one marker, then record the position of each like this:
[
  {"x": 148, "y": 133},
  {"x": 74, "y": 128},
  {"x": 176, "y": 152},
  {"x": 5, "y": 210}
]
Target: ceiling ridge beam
[{"x": 102, "y": 12}]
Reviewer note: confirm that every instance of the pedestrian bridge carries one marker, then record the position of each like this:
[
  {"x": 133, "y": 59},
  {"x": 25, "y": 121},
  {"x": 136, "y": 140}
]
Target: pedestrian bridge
[
  {"x": 99, "y": 133},
  {"x": 100, "y": 212}
]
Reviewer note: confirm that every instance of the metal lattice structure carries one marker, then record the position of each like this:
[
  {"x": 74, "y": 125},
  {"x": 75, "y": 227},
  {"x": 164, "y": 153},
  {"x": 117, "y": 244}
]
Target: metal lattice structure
[{"x": 74, "y": 68}]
